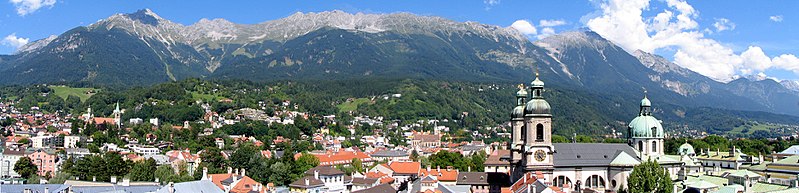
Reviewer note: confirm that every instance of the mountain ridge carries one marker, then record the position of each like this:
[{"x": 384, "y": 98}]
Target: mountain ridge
[{"x": 142, "y": 48}]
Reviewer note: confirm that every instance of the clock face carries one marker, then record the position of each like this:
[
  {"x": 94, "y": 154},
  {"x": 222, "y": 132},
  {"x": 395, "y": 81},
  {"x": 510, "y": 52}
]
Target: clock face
[{"x": 540, "y": 155}]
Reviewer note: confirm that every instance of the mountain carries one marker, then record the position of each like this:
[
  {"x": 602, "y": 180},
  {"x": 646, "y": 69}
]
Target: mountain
[
  {"x": 791, "y": 84},
  {"x": 143, "y": 48}
]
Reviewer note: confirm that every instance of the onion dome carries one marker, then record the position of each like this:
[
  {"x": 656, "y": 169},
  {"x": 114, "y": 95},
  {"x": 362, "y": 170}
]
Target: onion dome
[
  {"x": 645, "y": 102},
  {"x": 537, "y": 106},
  {"x": 521, "y": 93},
  {"x": 686, "y": 149},
  {"x": 518, "y": 112}
]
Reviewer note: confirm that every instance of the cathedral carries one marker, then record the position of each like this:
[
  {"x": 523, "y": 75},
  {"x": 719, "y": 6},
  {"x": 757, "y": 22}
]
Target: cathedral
[{"x": 596, "y": 166}]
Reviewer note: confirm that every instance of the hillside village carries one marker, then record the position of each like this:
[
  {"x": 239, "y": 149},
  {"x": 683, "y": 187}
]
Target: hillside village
[{"x": 389, "y": 157}]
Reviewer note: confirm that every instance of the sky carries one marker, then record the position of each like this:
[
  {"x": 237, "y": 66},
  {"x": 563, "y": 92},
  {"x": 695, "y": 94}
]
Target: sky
[{"x": 723, "y": 40}]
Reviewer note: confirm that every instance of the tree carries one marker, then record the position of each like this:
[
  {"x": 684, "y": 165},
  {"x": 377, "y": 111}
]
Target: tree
[
  {"x": 25, "y": 167},
  {"x": 559, "y": 139},
  {"x": 143, "y": 170},
  {"x": 414, "y": 155},
  {"x": 212, "y": 158},
  {"x": 357, "y": 164},
  {"x": 281, "y": 174},
  {"x": 649, "y": 177},
  {"x": 304, "y": 163}
]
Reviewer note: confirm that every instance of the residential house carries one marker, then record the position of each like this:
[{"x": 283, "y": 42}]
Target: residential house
[{"x": 46, "y": 160}]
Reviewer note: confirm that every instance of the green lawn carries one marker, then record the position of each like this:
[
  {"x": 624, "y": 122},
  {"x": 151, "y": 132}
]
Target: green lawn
[
  {"x": 752, "y": 128},
  {"x": 206, "y": 97},
  {"x": 351, "y": 106},
  {"x": 65, "y": 91}
]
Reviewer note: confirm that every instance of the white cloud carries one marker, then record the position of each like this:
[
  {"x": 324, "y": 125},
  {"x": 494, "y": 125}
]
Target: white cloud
[
  {"x": 723, "y": 24},
  {"x": 551, "y": 23},
  {"x": 776, "y": 18},
  {"x": 546, "y": 32},
  {"x": 25, "y": 7},
  {"x": 14, "y": 41},
  {"x": 525, "y": 27},
  {"x": 490, "y": 3},
  {"x": 675, "y": 27}
]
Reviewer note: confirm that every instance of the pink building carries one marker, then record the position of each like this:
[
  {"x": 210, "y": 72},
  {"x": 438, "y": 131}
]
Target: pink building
[{"x": 45, "y": 159}]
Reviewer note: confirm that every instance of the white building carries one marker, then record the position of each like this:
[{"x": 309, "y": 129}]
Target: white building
[{"x": 71, "y": 141}]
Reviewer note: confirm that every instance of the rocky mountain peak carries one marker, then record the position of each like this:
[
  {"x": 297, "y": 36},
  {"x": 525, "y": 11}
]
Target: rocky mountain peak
[{"x": 146, "y": 16}]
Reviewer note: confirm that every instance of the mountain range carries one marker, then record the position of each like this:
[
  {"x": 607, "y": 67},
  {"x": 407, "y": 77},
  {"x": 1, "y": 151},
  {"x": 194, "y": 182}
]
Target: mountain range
[{"x": 142, "y": 48}]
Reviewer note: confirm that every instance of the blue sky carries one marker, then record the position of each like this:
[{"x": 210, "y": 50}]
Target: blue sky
[{"x": 720, "y": 39}]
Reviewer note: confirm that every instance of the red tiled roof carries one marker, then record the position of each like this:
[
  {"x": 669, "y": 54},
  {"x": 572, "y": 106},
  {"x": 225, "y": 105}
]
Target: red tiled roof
[
  {"x": 441, "y": 174},
  {"x": 406, "y": 167},
  {"x": 384, "y": 178}
]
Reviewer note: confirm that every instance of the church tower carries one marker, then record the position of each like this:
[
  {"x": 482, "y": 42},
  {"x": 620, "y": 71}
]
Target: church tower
[
  {"x": 645, "y": 132},
  {"x": 118, "y": 116},
  {"x": 536, "y": 135}
]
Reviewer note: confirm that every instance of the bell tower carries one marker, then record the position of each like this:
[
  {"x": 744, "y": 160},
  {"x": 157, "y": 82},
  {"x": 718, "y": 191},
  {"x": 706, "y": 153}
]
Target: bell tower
[{"x": 535, "y": 135}]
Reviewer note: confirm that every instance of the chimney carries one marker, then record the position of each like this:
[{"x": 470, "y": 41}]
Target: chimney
[
  {"x": 438, "y": 169},
  {"x": 229, "y": 170},
  {"x": 428, "y": 169},
  {"x": 236, "y": 171},
  {"x": 254, "y": 187},
  {"x": 125, "y": 181},
  {"x": 718, "y": 151},
  {"x": 316, "y": 174},
  {"x": 205, "y": 173},
  {"x": 171, "y": 187},
  {"x": 113, "y": 179},
  {"x": 242, "y": 172},
  {"x": 46, "y": 190},
  {"x": 307, "y": 182},
  {"x": 94, "y": 178},
  {"x": 470, "y": 169}
]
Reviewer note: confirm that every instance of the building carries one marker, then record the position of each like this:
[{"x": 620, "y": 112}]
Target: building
[
  {"x": 10, "y": 156},
  {"x": 390, "y": 155},
  {"x": 322, "y": 179},
  {"x": 46, "y": 160},
  {"x": 577, "y": 166},
  {"x": 71, "y": 141},
  {"x": 235, "y": 182}
]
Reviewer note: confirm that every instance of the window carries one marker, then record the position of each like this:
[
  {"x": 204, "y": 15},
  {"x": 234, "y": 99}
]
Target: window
[
  {"x": 595, "y": 181},
  {"x": 560, "y": 180},
  {"x": 524, "y": 135},
  {"x": 613, "y": 184},
  {"x": 539, "y": 132},
  {"x": 641, "y": 146},
  {"x": 654, "y": 146}
]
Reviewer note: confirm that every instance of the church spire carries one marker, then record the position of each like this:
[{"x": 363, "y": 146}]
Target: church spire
[{"x": 646, "y": 105}]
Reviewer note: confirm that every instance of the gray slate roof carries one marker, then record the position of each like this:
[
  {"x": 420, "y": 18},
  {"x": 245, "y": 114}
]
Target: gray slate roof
[
  {"x": 389, "y": 153},
  {"x": 34, "y": 187},
  {"x": 129, "y": 189},
  {"x": 589, "y": 154},
  {"x": 204, "y": 186},
  {"x": 382, "y": 188}
]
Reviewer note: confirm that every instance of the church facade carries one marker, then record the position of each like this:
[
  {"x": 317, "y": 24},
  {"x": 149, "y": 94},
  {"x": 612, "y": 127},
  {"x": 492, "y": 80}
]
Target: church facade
[{"x": 597, "y": 166}]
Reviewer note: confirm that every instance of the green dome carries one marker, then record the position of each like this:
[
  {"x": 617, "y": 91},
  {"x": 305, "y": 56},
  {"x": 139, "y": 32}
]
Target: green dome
[
  {"x": 686, "y": 149},
  {"x": 537, "y": 106},
  {"x": 518, "y": 112},
  {"x": 645, "y": 102},
  {"x": 537, "y": 83},
  {"x": 646, "y": 126}
]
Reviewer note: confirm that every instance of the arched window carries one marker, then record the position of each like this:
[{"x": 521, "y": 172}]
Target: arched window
[
  {"x": 654, "y": 146},
  {"x": 595, "y": 181},
  {"x": 539, "y": 132},
  {"x": 524, "y": 135},
  {"x": 641, "y": 146},
  {"x": 560, "y": 180}
]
